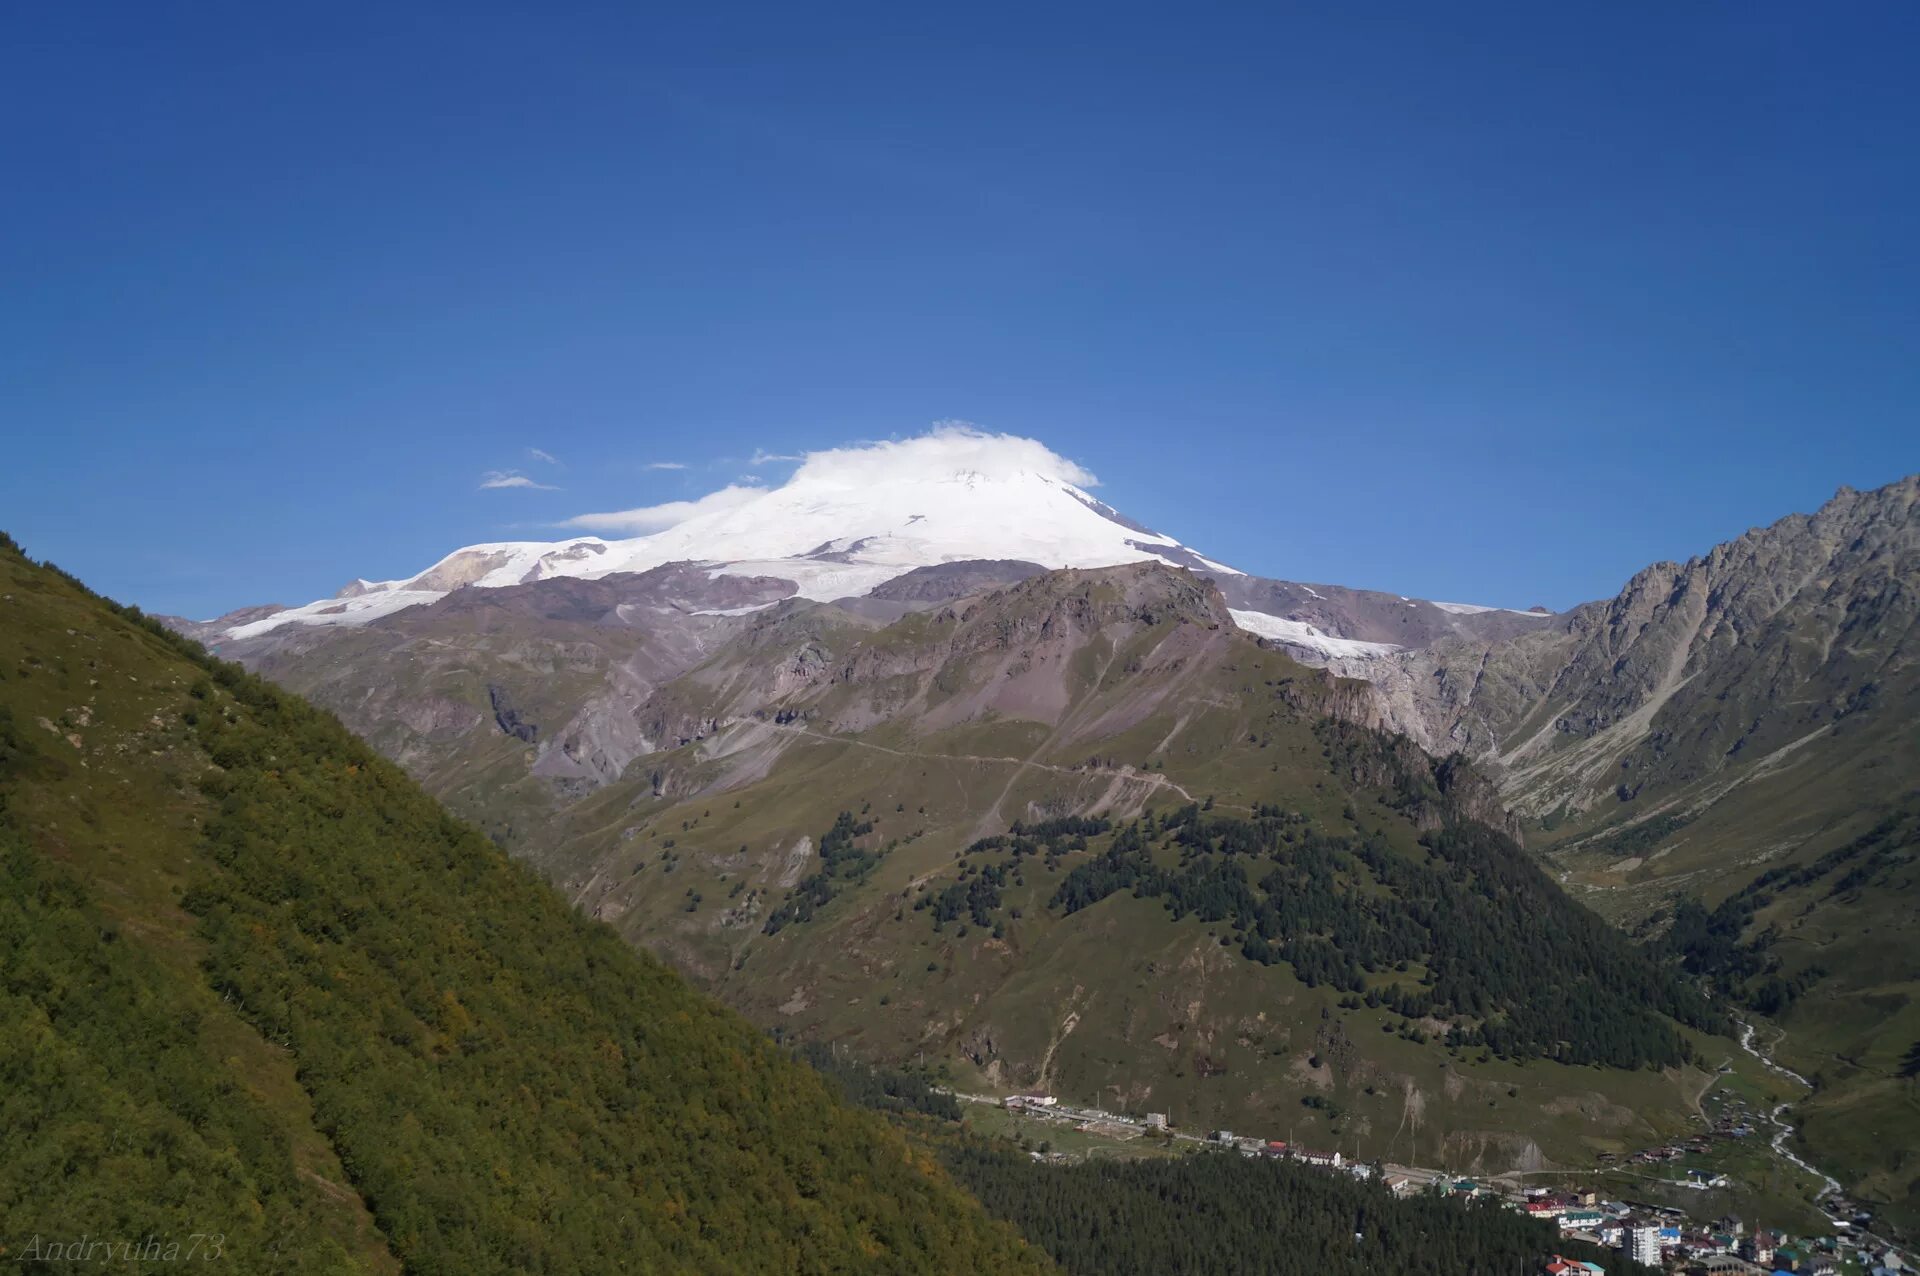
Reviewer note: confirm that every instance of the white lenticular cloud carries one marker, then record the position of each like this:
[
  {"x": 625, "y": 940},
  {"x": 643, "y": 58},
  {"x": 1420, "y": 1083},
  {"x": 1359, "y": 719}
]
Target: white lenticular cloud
[
  {"x": 955, "y": 446},
  {"x": 763, "y": 457},
  {"x": 657, "y": 518},
  {"x": 664, "y": 465},
  {"x": 539, "y": 454},
  {"x": 956, "y": 450}
]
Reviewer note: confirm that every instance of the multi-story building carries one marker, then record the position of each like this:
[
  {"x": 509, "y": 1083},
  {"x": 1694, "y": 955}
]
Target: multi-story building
[{"x": 1642, "y": 1244}]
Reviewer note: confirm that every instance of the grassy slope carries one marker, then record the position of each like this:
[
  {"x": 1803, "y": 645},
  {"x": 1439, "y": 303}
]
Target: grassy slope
[
  {"x": 1115, "y": 1003},
  {"x": 417, "y": 1055}
]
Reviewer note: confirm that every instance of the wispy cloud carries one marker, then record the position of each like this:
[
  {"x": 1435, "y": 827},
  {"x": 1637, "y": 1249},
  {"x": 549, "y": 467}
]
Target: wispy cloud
[
  {"x": 657, "y": 518},
  {"x": 763, "y": 457},
  {"x": 664, "y": 465},
  {"x": 496, "y": 479},
  {"x": 539, "y": 454}
]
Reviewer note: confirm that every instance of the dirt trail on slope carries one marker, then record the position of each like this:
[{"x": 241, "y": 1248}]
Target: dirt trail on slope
[{"x": 1126, "y": 772}]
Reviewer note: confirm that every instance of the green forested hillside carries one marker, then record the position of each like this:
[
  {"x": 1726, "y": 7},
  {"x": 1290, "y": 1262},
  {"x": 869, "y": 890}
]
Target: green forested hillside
[
  {"x": 262, "y": 989},
  {"x": 117, "y": 1119},
  {"x": 1467, "y": 930}
]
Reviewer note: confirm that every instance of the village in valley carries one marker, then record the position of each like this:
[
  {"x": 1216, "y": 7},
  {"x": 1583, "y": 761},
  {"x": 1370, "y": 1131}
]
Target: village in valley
[{"x": 1661, "y": 1234}]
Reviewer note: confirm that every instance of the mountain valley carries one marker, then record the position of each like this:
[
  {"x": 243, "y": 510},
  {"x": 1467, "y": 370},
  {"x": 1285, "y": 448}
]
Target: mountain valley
[
  {"x": 931, "y": 756},
  {"x": 822, "y": 806}
]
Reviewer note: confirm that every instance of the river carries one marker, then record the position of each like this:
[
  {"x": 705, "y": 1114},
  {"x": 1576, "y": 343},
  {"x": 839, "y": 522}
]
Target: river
[{"x": 1783, "y": 1131}]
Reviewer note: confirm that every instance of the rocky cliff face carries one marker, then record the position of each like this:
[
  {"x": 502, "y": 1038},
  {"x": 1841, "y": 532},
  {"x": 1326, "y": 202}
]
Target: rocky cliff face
[
  {"x": 1695, "y": 669},
  {"x": 1033, "y": 651},
  {"x": 574, "y": 662}
]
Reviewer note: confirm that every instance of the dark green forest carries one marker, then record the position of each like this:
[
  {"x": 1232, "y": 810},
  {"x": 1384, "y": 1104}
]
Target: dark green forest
[
  {"x": 1469, "y": 930},
  {"x": 1219, "y": 1214},
  {"x": 884, "y": 1089}
]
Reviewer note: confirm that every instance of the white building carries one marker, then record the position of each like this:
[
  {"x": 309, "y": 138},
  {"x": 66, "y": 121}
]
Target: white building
[{"x": 1643, "y": 1244}]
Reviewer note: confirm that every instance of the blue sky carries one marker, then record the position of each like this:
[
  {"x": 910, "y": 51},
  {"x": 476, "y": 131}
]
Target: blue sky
[{"x": 1494, "y": 303}]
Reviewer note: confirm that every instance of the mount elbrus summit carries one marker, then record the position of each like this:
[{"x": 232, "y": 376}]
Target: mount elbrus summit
[{"x": 932, "y": 755}]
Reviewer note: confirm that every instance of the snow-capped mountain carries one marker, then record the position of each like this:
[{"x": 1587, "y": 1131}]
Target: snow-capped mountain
[{"x": 851, "y": 519}]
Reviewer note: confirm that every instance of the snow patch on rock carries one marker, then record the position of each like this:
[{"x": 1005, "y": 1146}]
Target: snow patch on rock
[
  {"x": 1475, "y": 609},
  {"x": 1298, "y": 633}
]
